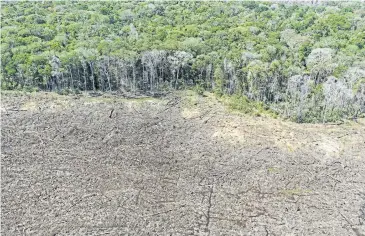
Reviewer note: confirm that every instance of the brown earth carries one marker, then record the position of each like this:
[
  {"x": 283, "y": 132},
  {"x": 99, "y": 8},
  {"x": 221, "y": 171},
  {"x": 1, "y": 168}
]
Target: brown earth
[{"x": 180, "y": 165}]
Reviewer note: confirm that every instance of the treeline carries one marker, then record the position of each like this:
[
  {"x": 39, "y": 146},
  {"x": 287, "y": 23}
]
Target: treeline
[{"x": 306, "y": 62}]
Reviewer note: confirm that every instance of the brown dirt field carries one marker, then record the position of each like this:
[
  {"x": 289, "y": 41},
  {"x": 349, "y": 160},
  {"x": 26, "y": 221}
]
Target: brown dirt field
[{"x": 180, "y": 165}]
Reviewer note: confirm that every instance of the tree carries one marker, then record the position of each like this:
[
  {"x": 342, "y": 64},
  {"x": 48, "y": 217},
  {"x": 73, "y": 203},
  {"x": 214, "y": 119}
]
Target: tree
[
  {"x": 320, "y": 63},
  {"x": 254, "y": 49},
  {"x": 218, "y": 81}
]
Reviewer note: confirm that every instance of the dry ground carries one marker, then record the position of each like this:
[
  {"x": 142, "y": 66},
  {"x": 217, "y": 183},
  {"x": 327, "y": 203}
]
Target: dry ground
[{"x": 180, "y": 165}]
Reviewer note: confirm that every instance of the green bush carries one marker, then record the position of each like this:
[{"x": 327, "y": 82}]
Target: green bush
[
  {"x": 66, "y": 91},
  {"x": 30, "y": 89},
  {"x": 199, "y": 89},
  {"x": 244, "y": 105},
  {"x": 8, "y": 85},
  {"x": 77, "y": 91}
]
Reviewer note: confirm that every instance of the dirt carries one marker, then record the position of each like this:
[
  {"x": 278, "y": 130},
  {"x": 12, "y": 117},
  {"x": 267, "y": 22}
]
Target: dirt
[{"x": 179, "y": 165}]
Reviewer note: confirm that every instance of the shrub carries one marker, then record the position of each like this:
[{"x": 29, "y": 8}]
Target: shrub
[{"x": 199, "y": 89}]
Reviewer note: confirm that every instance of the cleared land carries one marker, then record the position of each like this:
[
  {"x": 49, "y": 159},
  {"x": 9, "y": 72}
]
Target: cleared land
[{"x": 178, "y": 165}]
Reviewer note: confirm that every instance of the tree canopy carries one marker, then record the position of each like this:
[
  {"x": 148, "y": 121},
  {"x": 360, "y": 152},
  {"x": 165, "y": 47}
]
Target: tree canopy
[{"x": 304, "y": 61}]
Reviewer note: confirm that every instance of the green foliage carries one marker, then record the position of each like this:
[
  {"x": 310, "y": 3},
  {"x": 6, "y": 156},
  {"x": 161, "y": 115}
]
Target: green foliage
[
  {"x": 218, "y": 81},
  {"x": 242, "y": 104},
  {"x": 198, "y": 89},
  {"x": 8, "y": 85},
  {"x": 67, "y": 91},
  {"x": 246, "y": 106},
  {"x": 30, "y": 89},
  {"x": 247, "y": 48}
]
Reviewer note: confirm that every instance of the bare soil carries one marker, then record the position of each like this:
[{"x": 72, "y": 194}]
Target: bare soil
[{"x": 179, "y": 165}]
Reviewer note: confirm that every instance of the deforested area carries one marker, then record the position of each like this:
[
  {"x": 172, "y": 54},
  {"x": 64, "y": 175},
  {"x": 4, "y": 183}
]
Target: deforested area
[
  {"x": 182, "y": 118},
  {"x": 179, "y": 165}
]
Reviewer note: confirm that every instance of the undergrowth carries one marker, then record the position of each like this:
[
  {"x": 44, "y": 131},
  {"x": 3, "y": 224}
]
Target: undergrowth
[{"x": 244, "y": 105}]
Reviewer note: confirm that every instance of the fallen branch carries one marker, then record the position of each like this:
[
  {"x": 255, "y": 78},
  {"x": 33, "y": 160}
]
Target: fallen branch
[
  {"x": 262, "y": 149},
  {"x": 16, "y": 110},
  {"x": 341, "y": 122},
  {"x": 355, "y": 230},
  {"x": 343, "y": 136},
  {"x": 111, "y": 113}
]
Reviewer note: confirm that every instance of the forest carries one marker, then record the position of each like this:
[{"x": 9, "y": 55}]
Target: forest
[{"x": 303, "y": 61}]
